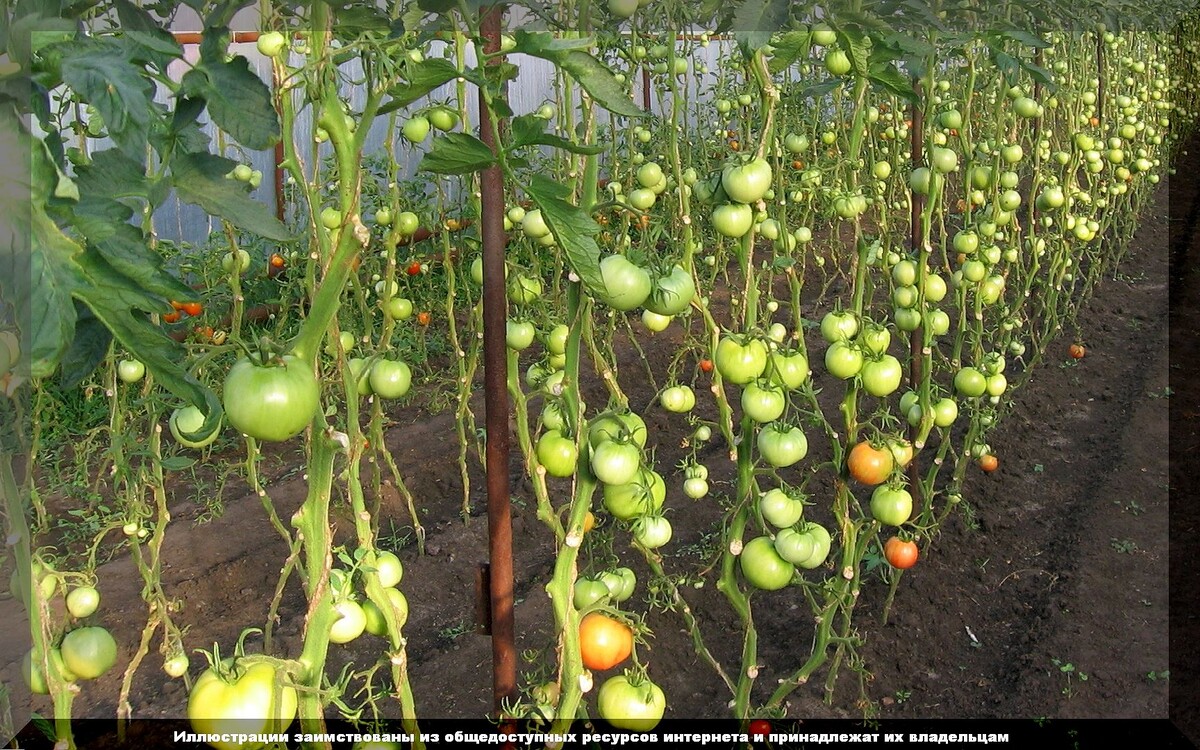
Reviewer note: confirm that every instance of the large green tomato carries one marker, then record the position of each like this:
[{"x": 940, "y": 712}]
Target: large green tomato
[
  {"x": 733, "y": 219},
  {"x": 614, "y": 426},
  {"x": 781, "y": 445},
  {"x": 789, "y": 368},
  {"x": 780, "y": 509},
  {"x": 376, "y": 621},
  {"x": 624, "y": 705},
  {"x": 741, "y": 361},
  {"x": 390, "y": 378},
  {"x": 626, "y": 285},
  {"x": 881, "y": 377},
  {"x": 673, "y": 293},
  {"x": 747, "y": 183},
  {"x": 891, "y": 506},
  {"x": 89, "y": 652},
  {"x": 763, "y": 567},
  {"x": 616, "y": 463},
  {"x": 271, "y": 403},
  {"x": 247, "y": 703},
  {"x": 557, "y": 453},
  {"x": 642, "y": 496},
  {"x": 185, "y": 421}
]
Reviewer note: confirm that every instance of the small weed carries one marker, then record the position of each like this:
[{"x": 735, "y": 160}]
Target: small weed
[
  {"x": 1124, "y": 546},
  {"x": 1038, "y": 468},
  {"x": 903, "y": 695},
  {"x": 1164, "y": 393},
  {"x": 397, "y": 537},
  {"x": 1153, "y": 676},
  {"x": 1072, "y": 675},
  {"x": 1133, "y": 507},
  {"x": 451, "y": 633}
]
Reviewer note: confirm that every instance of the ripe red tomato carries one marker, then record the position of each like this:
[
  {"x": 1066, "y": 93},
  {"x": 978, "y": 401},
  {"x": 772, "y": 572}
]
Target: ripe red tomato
[
  {"x": 760, "y": 727},
  {"x": 603, "y": 641},
  {"x": 414, "y": 268},
  {"x": 706, "y": 365},
  {"x": 900, "y": 554}
]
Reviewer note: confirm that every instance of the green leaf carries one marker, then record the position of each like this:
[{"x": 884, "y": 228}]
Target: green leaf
[
  {"x": 573, "y": 229},
  {"x": 53, "y": 276},
  {"x": 155, "y": 44},
  {"x": 200, "y": 179},
  {"x": 128, "y": 251},
  {"x": 238, "y": 100},
  {"x": 755, "y": 21},
  {"x": 177, "y": 463},
  {"x": 353, "y": 18},
  {"x": 422, "y": 78},
  {"x": 590, "y": 73},
  {"x": 99, "y": 70},
  {"x": 1024, "y": 37},
  {"x": 858, "y": 47},
  {"x": 113, "y": 174},
  {"x": 541, "y": 43},
  {"x": 456, "y": 153},
  {"x": 789, "y": 46},
  {"x": 87, "y": 349},
  {"x": 892, "y": 80},
  {"x": 819, "y": 89},
  {"x": 529, "y": 130}
]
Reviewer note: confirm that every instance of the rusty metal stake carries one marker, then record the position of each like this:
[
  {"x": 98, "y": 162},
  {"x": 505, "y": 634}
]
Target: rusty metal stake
[{"x": 495, "y": 379}]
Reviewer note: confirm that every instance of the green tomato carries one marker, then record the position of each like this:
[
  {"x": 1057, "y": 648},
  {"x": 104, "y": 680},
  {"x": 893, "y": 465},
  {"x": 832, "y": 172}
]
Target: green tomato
[
  {"x": 89, "y": 652},
  {"x": 272, "y": 403},
  {"x": 83, "y": 601},
  {"x": 390, "y": 378},
  {"x": 184, "y": 423},
  {"x": 625, "y": 705},
  {"x": 762, "y": 566},
  {"x": 415, "y": 129},
  {"x": 247, "y": 703}
]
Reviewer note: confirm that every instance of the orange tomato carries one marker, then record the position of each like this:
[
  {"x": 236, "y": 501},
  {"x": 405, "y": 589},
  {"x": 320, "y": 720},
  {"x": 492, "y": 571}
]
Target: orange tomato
[
  {"x": 423, "y": 318},
  {"x": 989, "y": 463},
  {"x": 171, "y": 317},
  {"x": 603, "y": 641},
  {"x": 277, "y": 261},
  {"x": 1076, "y": 351},
  {"x": 192, "y": 308},
  {"x": 870, "y": 465}
]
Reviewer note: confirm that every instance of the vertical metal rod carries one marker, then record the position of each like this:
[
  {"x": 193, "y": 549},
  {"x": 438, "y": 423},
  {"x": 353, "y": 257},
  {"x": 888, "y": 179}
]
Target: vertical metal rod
[
  {"x": 645, "y": 87},
  {"x": 495, "y": 380}
]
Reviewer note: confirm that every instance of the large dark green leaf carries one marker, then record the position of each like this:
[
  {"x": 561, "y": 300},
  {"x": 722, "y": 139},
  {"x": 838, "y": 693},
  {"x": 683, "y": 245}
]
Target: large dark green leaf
[
  {"x": 457, "y": 153},
  {"x": 200, "y": 179},
  {"x": 590, "y": 73},
  {"x": 101, "y": 72},
  {"x": 113, "y": 174},
  {"x": 238, "y": 100},
  {"x": 87, "y": 349},
  {"x": 154, "y": 44},
  {"x": 529, "y": 130},
  {"x": 789, "y": 47},
  {"x": 422, "y": 78},
  {"x": 756, "y": 20},
  {"x": 892, "y": 80},
  {"x": 574, "y": 230}
]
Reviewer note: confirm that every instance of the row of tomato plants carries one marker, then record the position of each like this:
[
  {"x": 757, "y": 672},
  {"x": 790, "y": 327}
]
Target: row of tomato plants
[{"x": 786, "y": 208}]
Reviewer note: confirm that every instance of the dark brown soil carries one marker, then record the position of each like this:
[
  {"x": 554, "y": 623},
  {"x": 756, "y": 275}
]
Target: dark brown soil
[{"x": 1049, "y": 599}]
